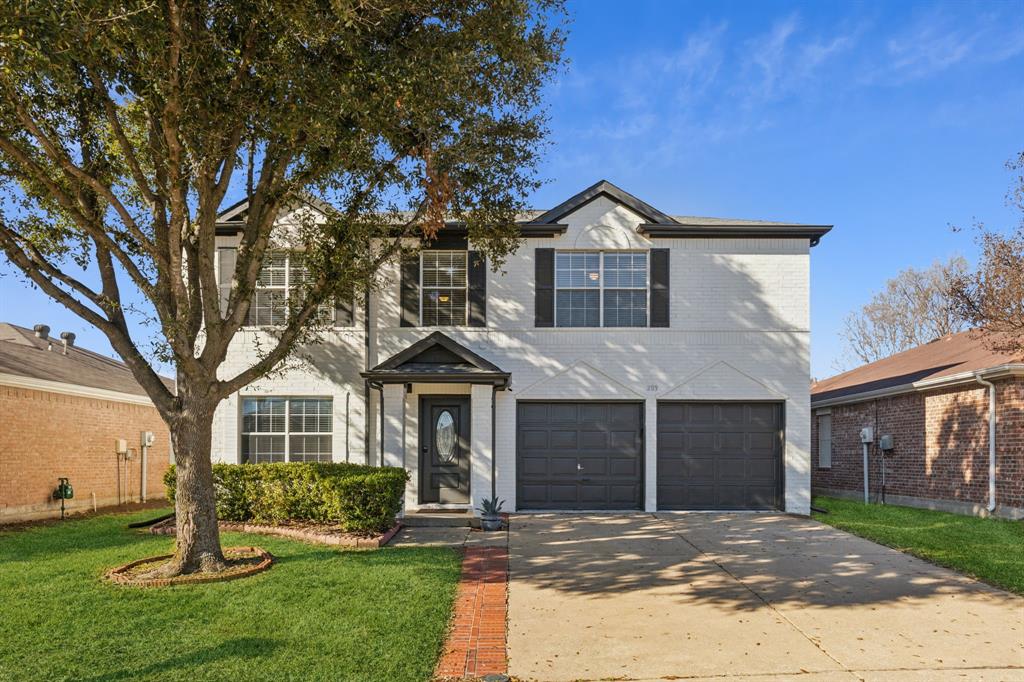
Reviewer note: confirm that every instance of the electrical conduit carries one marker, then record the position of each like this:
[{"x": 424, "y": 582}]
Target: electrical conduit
[{"x": 991, "y": 441}]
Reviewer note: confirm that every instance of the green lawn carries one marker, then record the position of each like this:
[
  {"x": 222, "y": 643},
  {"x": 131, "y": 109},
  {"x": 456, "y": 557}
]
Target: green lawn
[
  {"x": 991, "y": 550},
  {"x": 319, "y": 613}
]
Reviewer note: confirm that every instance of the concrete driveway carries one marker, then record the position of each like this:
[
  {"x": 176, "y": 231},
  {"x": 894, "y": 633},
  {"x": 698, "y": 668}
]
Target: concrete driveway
[{"x": 758, "y": 597}]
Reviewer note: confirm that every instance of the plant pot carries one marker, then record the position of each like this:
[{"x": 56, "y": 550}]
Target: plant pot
[{"x": 490, "y": 523}]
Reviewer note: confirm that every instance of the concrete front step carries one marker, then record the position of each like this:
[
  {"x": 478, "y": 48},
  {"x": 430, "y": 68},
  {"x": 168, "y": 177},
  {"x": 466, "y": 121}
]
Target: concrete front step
[{"x": 438, "y": 519}]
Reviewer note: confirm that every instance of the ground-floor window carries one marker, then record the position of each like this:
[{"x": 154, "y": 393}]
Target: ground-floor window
[
  {"x": 286, "y": 429},
  {"x": 824, "y": 440}
]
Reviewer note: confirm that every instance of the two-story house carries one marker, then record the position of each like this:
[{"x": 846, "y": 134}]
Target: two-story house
[{"x": 623, "y": 359}]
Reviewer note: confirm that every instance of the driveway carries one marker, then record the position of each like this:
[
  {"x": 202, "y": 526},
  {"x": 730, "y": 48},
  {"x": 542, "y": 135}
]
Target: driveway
[{"x": 755, "y": 596}]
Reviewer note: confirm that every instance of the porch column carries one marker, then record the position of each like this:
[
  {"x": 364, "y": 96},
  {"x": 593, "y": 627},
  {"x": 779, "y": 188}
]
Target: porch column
[
  {"x": 394, "y": 421},
  {"x": 480, "y": 455},
  {"x": 651, "y": 454}
]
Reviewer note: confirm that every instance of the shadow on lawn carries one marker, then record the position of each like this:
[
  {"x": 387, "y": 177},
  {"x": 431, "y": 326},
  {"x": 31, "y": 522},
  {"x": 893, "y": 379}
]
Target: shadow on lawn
[
  {"x": 74, "y": 535},
  {"x": 242, "y": 647}
]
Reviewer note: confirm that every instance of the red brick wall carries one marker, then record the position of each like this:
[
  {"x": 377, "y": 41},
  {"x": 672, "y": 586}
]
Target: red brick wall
[
  {"x": 44, "y": 436},
  {"x": 941, "y": 445}
]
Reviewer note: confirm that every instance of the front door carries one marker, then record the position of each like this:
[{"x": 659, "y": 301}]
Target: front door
[{"x": 444, "y": 449}]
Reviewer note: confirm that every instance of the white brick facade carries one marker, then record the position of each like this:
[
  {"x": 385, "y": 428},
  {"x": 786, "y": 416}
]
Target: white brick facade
[{"x": 739, "y": 329}]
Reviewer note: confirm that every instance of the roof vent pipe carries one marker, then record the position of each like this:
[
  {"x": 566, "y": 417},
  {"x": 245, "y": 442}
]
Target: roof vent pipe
[
  {"x": 991, "y": 441},
  {"x": 69, "y": 340},
  {"x": 42, "y": 331}
]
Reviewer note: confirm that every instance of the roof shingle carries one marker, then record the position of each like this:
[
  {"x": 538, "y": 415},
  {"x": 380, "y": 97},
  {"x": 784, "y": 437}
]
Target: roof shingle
[
  {"x": 944, "y": 357},
  {"x": 23, "y": 354}
]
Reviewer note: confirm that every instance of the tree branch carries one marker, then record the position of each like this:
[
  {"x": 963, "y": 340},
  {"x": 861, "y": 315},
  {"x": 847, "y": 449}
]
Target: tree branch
[
  {"x": 59, "y": 156},
  {"x": 122, "y": 139},
  {"x": 118, "y": 336},
  {"x": 68, "y": 203}
]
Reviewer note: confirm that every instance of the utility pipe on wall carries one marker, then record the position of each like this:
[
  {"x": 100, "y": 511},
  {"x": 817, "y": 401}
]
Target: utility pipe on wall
[
  {"x": 494, "y": 440},
  {"x": 145, "y": 471},
  {"x": 865, "y": 445},
  {"x": 991, "y": 441}
]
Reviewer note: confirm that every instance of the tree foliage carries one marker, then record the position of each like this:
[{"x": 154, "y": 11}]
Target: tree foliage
[
  {"x": 125, "y": 124},
  {"x": 991, "y": 297},
  {"x": 915, "y": 307}
]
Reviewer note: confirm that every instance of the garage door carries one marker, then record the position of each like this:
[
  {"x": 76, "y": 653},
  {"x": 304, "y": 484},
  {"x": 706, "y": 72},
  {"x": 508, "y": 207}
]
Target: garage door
[
  {"x": 584, "y": 455},
  {"x": 719, "y": 455}
]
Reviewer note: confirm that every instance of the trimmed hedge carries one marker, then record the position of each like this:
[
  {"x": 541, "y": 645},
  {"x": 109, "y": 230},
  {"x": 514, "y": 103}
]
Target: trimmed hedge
[{"x": 361, "y": 499}]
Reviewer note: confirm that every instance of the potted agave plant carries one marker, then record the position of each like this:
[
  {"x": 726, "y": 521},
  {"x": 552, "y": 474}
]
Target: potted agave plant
[{"x": 490, "y": 513}]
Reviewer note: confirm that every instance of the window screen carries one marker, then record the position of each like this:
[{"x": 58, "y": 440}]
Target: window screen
[
  {"x": 443, "y": 288},
  {"x": 286, "y": 430},
  {"x": 280, "y": 282},
  {"x": 595, "y": 289},
  {"x": 578, "y": 289}
]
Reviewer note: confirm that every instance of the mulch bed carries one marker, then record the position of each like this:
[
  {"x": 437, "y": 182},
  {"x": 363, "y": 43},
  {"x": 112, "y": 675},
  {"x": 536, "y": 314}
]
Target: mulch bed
[
  {"x": 320, "y": 534},
  {"x": 242, "y": 562},
  {"x": 82, "y": 513}
]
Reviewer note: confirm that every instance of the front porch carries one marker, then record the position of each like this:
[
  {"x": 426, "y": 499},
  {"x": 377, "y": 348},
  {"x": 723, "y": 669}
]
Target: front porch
[{"x": 437, "y": 421}]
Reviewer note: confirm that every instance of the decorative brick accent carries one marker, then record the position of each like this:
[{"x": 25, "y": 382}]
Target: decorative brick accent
[
  {"x": 941, "y": 445},
  {"x": 476, "y": 641},
  {"x": 326, "y": 536}
]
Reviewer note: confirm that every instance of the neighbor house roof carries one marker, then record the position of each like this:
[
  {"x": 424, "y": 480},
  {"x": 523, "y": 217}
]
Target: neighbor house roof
[
  {"x": 23, "y": 354},
  {"x": 546, "y": 223},
  {"x": 948, "y": 360}
]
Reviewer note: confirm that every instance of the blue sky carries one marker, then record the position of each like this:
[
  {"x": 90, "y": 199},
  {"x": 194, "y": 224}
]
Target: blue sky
[{"x": 891, "y": 121}]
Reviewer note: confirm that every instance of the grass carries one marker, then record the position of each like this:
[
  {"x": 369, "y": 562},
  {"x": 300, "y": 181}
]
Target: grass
[
  {"x": 319, "y": 613},
  {"x": 991, "y": 550}
]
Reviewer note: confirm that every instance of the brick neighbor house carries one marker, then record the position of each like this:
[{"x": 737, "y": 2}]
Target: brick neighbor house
[
  {"x": 934, "y": 403},
  {"x": 62, "y": 411}
]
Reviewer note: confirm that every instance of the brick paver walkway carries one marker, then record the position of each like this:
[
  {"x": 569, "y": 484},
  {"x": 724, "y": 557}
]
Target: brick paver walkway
[{"x": 476, "y": 642}]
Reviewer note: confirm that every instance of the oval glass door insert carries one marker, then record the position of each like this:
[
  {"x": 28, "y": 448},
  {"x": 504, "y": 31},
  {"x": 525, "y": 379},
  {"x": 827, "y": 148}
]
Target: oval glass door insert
[{"x": 444, "y": 436}]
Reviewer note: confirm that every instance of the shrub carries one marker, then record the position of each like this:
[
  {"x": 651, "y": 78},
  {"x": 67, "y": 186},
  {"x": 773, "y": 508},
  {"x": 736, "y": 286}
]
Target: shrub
[{"x": 360, "y": 499}]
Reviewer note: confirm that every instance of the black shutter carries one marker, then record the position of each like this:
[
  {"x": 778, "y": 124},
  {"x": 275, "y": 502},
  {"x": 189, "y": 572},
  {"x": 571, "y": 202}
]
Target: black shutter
[
  {"x": 544, "y": 287},
  {"x": 344, "y": 308},
  {"x": 659, "y": 288},
  {"x": 477, "y": 289},
  {"x": 410, "y": 292},
  {"x": 225, "y": 271}
]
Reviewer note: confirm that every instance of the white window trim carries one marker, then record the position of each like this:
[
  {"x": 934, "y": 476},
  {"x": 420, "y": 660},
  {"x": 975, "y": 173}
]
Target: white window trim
[
  {"x": 287, "y": 433},
  {"x": 328, "y": 306},
  {"x": 824, "y": 415},
  {"x": 423, "y": 290},
  {"x": 600, "y": 288}
]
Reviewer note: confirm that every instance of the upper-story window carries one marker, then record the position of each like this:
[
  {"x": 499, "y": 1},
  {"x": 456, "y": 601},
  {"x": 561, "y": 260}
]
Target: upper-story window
[
  {"x": 279, "y": 283},
  {"x": 443, "y": 288},
  {"x": 600, "y": 289}
]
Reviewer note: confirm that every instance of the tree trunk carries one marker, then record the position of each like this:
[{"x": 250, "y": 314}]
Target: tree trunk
[{"x": 198, "y": 538}]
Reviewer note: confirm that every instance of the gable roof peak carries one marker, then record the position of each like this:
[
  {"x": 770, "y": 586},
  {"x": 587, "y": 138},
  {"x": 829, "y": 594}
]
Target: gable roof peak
[{"x": 612, "y": 191}]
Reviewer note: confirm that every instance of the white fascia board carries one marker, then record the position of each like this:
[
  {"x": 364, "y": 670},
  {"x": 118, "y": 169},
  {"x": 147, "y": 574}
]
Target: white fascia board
[
  {"x": 34, "y": 384},
  {"x": 997, "y": 372}
]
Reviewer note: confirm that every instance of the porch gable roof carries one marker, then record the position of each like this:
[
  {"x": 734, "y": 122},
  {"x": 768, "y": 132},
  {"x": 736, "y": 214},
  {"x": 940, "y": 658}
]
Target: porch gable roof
[{"x": 437, "y": 358}]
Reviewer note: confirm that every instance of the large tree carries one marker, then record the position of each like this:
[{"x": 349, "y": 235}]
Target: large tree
[
  {"x": 125, "y": 124},
  {"x": 991, "y": 297},
  {"x": 915, "y": 307}
]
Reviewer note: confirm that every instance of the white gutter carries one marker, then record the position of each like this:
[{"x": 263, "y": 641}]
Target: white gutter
[
  {"x": 33, "y": 384},
  {"x": 991, "y": 441},
  {"x": 1010, "y": 369}
]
